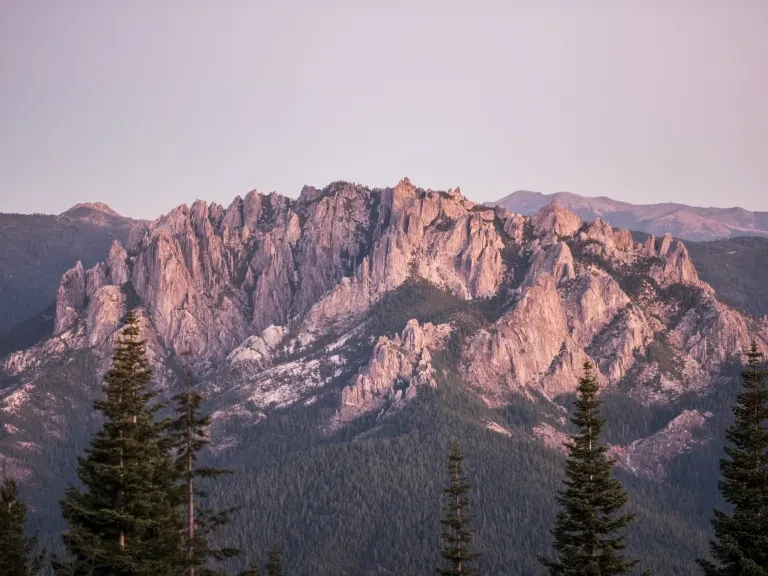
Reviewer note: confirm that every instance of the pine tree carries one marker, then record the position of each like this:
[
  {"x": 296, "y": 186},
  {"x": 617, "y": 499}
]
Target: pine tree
[
  {"x": 124, "y": 522},
  {"x": 741, "y": 537},
  {"x": 274, "y": 561},
  {"x": 457, "y": 536},
  {"x": 190, "y": 435},
  {"x": 16, "y": 550},
  {"x": 587, "y": 532}
]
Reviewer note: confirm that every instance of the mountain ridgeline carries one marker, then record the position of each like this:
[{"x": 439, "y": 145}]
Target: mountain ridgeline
[
  {"x": 342, "y": 339},
  {"x": 687, "y": 222}
]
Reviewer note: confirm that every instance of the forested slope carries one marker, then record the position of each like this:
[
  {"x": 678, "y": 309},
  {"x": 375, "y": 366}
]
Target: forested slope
[{"x": 38, "y": 248}]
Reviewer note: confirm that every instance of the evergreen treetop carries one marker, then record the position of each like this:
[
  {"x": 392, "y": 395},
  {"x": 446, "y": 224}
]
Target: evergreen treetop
[
  {"x": 274, "y": 561},
  {"x": 189, "y": 434},
  {"x": 458, "y": 557},
  {"x": 587, "y": 534},
  {"x": 124, "y": 521},
  {"x": 741, "y": 536},
  {"x": 17, "y": 557}
]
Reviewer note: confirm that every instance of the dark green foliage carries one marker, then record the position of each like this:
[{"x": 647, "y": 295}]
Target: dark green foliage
[
  {"x": 189, "y": 433},
  {"x": 458, "y": 557},
  {"x": 661, "y": 352},
  {"x": 684, "y": 296},
  {"x": 124, "y": 521},
  {"x": 367, "y": 505},
  {"x": 29, "y": 332},
  {"x": 38, "y": 249},
  {"x": 274, "y": 561},
  {"x": 426, "y": 302},
  {"x": 741, "y": 535},
  {"x": 588, "y": 535},
  {"x": 633, "y": 278},
  {"x": 736, "y": 268},
  {"x": 17, "y": 552},
  {"x": 417, "y": 299}
]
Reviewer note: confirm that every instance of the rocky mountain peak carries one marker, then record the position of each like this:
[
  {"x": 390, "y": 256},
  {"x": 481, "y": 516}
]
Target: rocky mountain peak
[
  {"x": 279, "y": 300},
  {"x": 555, "y": 220}
]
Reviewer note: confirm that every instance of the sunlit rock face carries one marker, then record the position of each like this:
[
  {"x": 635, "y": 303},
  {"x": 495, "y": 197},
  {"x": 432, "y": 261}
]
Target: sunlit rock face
[{"x": 273, "y": 297}]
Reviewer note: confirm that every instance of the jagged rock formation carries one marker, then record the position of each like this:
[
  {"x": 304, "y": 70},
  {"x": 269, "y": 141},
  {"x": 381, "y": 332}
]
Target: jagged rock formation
[
  {"x": 273, "y": 298},
  {"x": 70, "y": 298},
  {"x": 397, "y": 369}
]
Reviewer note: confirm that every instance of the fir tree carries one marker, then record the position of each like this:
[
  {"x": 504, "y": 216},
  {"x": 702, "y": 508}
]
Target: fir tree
[
  {"x": 457, "y": 536},
  {"x": 274, "y": 561},
  {"x": 587, "y": 534},
  {"x": 190, "y": 435},
  {"x": 124, "y": 521},
  {"x": 16, "y": 550},
  {"x": 741, "y": 537}
]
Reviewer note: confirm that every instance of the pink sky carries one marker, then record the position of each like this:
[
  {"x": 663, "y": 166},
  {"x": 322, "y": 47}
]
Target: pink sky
[{"x": 145, "y": 105}]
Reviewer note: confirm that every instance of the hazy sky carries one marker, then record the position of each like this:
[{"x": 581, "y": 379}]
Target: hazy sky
[{"x": 148, "y": 104}]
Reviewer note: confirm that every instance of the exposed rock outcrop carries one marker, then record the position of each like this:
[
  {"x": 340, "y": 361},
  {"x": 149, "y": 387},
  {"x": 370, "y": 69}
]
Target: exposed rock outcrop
[
  {"x": 212, "y": 280},
  {"x": 556, "y": 261},
  {"x": 648, "y": 457},
  {"x": 553, "y": 220},
  {"x": 70, "y": 299},
  {"x": 257, "y": 351},
  {"x": 522, "y": 345},
  {"x": 105, "y": 310},
  {"x": 397, "y": 369},
  {"x": 95, "y": 278},
  {"x": 117, "y": 261},
  {"x": 676, "y": 266},
  {"x": 418, "y": 233}
]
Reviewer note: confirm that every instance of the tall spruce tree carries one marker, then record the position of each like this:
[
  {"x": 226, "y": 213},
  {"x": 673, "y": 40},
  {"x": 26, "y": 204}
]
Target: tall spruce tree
[
  {"x": 274, "y": 561},
  {"x": 458, "y": 557},
  {"x": 125, "y": 521},
  {"x": 587, "y": 534},
  {"x": 189, "y": 432},
  {"x": 17, "y": 556},
  {"x": 741, "y": 536}
]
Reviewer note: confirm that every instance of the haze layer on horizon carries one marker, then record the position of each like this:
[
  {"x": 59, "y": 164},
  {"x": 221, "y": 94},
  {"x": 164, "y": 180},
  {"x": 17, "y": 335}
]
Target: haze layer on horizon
[{"x": 146, "y": 105}]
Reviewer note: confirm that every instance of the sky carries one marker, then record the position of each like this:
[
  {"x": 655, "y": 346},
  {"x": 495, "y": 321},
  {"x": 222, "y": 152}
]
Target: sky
[{"x": 146, "y": 105}]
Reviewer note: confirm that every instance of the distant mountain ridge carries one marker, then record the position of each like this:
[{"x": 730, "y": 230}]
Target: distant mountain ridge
[{"x": 680, "y": 220}]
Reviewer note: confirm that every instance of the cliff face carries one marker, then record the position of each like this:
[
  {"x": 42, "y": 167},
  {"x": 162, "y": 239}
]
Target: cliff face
[{"x": 274, "y": 299}]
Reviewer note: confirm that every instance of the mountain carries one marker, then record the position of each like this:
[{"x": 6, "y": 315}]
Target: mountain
[
  {"x": 687, "y": 222},
  {"x": 92, "y": 212},
  {"x": 39, "y": 248},
  {"x": 342, "y": 339}
]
